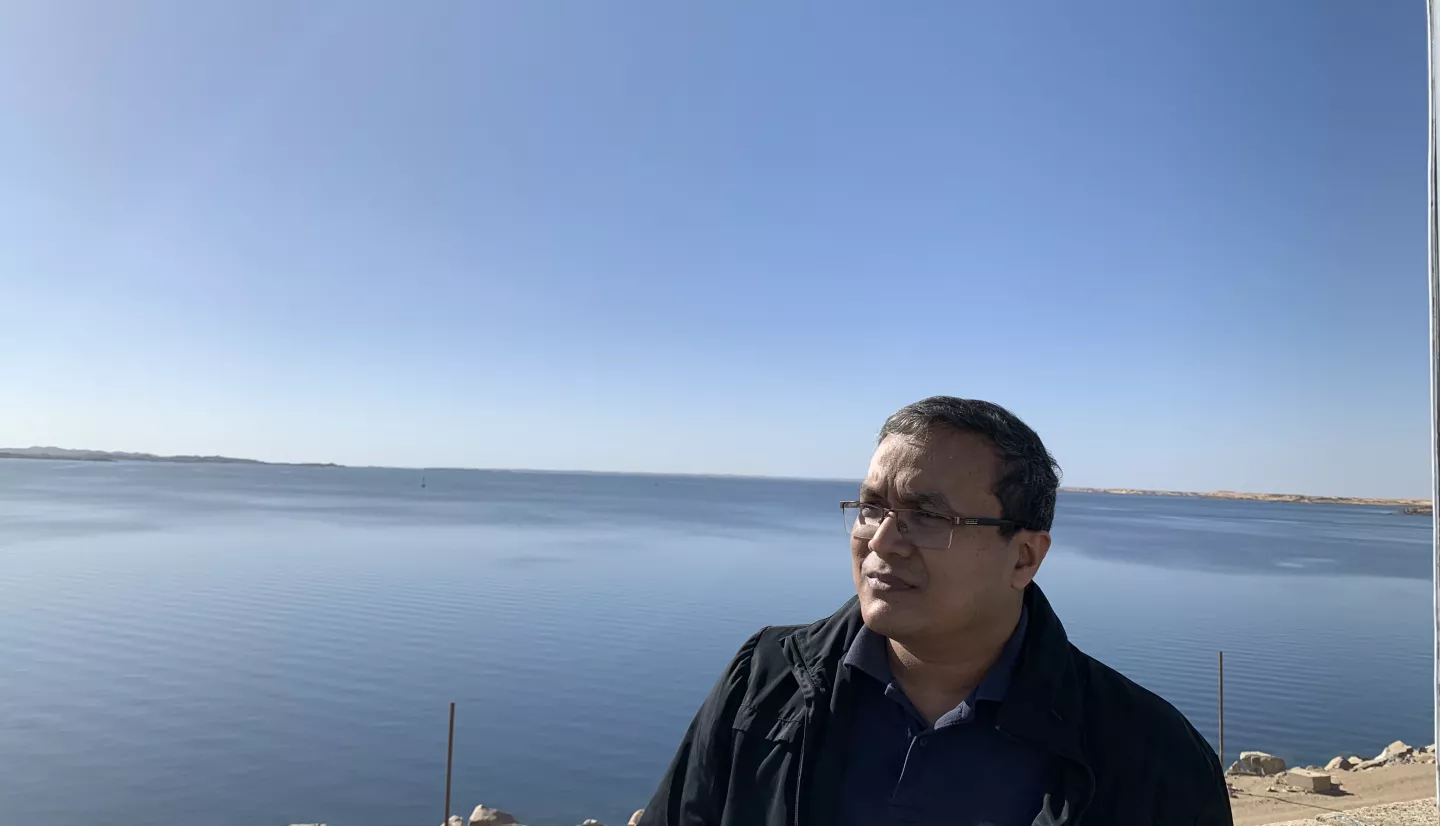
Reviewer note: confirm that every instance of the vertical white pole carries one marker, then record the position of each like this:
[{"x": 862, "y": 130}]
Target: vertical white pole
[{"x": 1434, "y": 261}]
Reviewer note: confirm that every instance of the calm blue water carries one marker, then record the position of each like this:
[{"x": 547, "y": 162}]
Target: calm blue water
[{"x": 265, "y": 645}]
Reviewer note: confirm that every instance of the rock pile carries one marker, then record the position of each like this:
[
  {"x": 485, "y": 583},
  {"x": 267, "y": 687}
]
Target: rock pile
[
  {"x": 486, "y": 816},
  {"x": 1258, "y": 763},
  {"x": 1394, "y": 754}
]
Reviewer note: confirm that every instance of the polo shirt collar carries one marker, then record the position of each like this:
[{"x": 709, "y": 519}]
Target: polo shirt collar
[{"x": 869, "y": 654}]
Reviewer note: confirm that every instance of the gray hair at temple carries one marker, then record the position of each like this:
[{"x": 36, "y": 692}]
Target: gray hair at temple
[{"x": 1028, "y": 477}]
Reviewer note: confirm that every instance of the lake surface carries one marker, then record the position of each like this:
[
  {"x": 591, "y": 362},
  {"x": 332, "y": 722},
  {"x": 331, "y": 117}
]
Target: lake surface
[{"x": 251, "y": 645}]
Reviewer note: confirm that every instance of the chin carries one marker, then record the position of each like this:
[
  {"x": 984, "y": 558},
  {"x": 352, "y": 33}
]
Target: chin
[{"x": 889, "y": 618}]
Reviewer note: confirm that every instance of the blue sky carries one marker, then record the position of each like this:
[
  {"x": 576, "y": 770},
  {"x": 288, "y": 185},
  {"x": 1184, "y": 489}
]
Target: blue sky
[{"x": 1186, "y": 242}]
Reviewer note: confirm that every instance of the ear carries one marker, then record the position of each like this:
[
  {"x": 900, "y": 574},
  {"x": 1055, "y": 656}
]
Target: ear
[{"x": 1030, "y": 550}]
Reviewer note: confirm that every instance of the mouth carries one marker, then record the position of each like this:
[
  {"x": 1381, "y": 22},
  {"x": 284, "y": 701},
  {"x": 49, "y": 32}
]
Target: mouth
[{"x": 887, "y": 582}]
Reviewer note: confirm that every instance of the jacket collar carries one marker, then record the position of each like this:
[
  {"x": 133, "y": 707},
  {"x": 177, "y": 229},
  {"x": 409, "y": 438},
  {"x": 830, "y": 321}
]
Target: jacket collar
[{"x": 1042, "y": 703}]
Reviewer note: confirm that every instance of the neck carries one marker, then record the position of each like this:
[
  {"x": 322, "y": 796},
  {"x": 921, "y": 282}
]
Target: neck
[{"x": 937, "y": 674}]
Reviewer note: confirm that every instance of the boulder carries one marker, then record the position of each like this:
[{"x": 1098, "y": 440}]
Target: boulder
[
  {"x": 1397, "y": 750},
  {"x": 1339, "y": 764},
  {"x": 1309, "y": 781},
  {"x": 1258, "y": 762},
  {"x": 635, "y": 818},
  {"x": 1354, "y": 759},
  {"x": 592, "y": 822},
  {"x": 485, "y": 816},
  {"x": 1430, "y": 748},
  {"x": 1364, "y": 765},
  {"x": 455, "y": 820}
]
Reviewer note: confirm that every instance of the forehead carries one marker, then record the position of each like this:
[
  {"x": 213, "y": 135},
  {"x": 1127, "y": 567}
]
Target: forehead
[{"x": 958, "y": 465}]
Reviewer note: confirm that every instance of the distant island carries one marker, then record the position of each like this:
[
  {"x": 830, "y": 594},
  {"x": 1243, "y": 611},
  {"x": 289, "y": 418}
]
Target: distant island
[
  {"x": 1410, "y": 505},
  {"x": 68, "y": 455}
]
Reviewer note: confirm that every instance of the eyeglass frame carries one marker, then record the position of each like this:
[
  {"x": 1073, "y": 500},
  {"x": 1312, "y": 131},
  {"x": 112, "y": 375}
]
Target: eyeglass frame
[{"x": 955, "y": 521}]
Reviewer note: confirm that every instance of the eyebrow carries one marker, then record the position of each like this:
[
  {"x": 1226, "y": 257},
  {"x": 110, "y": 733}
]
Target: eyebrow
[
  {"x": 923, "y": 499},
  {"x": 931, "y": 499}
]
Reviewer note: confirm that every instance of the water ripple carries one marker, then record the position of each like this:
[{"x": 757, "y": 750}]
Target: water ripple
[{"x": 279, "y": 645}]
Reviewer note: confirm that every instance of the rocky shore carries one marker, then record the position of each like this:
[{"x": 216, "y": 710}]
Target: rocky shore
[
  {"x": 486, "y": 816},
  {"x": 1393, "y": 788},
  {"x": 1260, "y": 764}
]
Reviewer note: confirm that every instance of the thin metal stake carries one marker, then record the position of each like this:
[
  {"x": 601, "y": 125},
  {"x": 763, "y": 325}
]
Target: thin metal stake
[
  {"x": 1432, "y": 26},
  {"x": 449, "y": 757},
  {"x": 1222, "y": 710}
]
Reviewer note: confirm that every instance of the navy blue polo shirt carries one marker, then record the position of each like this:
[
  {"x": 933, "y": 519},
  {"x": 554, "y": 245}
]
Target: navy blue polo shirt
[{"x": 963, "y": 771}]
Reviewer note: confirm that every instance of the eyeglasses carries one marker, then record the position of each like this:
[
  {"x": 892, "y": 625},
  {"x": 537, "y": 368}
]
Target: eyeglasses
[{"x": 923, "y": 528}]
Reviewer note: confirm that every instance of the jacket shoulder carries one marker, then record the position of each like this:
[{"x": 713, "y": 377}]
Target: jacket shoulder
[
  {"x": 1128, "y": 726},
  {"x": 768, "y": 663},
  {"x": 759, "y": 662},
  {"x": 775, "y": 661},
  {"x": 1129, "y": 710}
]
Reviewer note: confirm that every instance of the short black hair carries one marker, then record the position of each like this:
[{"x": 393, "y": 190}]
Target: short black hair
[{"x": 1028, "y": 478}]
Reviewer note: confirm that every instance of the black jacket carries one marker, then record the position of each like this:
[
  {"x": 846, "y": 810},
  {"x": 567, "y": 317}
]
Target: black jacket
[{"x": 756, "y": 752}]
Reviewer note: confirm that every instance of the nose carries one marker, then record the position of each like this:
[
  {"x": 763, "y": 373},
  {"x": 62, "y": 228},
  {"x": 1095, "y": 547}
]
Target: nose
[{"x": 890, "y": 540}]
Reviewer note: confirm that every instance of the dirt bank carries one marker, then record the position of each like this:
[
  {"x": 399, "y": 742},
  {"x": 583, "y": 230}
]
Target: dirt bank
[{"x": 1267, "y": 800}]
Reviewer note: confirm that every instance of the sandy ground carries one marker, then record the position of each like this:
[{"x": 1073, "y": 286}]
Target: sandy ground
[
  {"x": 1414, "y": 813},
  {"x": 1360, "y": 798}
]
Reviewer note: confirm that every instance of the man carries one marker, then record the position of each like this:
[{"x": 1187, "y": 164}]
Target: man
[{"x": 945, "y": 691}]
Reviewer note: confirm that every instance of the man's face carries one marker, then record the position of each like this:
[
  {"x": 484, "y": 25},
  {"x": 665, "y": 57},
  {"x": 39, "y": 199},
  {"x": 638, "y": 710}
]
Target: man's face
[{"x": 923, "y": 593}]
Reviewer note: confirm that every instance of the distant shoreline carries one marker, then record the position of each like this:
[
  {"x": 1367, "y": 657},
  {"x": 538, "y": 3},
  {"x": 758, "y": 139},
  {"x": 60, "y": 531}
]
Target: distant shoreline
[
  {"x": 60, "y": 454},
  {"x": 1411, "y": 505},
  {"x": 1415, "y": 506}
]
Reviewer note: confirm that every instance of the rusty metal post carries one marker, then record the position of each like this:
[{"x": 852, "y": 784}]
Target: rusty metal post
[
  {"x": 1222, "y": 710},
  {"x": 449, "y": 757}
]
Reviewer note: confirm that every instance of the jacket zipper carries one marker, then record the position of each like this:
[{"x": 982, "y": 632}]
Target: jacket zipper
[{"x": 810, "y": 691}]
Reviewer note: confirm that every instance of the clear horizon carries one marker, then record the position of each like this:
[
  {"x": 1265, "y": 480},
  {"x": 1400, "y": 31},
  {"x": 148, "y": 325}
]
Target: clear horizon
[
  {"x": 586, "y": 471},
  {"x": 1187, "y": 245}
]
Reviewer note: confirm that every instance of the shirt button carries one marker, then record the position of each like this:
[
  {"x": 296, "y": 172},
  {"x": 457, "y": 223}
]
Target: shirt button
[{"x": 921, "y": 741}]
